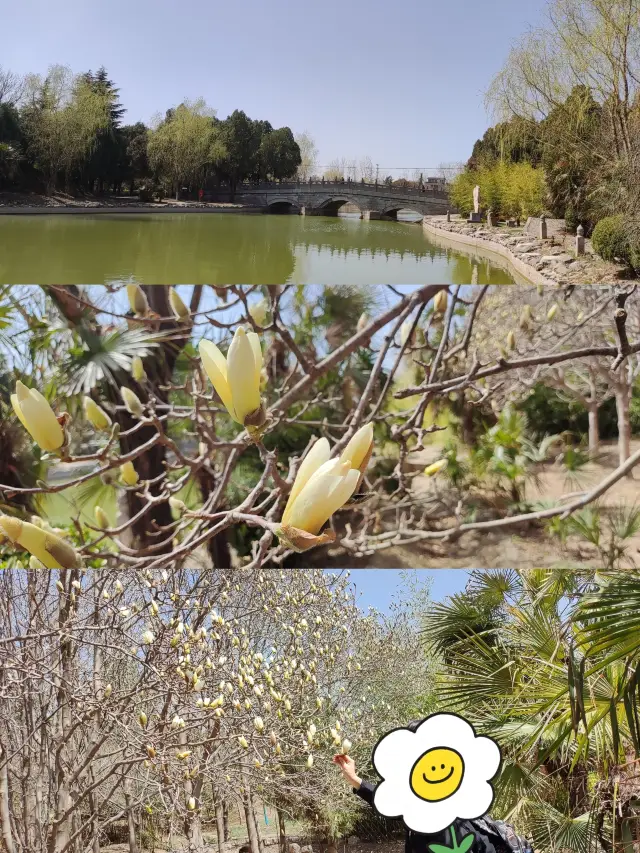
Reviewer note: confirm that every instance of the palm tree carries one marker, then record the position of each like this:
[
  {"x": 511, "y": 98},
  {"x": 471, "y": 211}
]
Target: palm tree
[{"x": 527, "y": 659}]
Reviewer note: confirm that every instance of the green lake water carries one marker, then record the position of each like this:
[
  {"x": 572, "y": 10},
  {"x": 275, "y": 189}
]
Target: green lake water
[{"x": 222, "y": 248}]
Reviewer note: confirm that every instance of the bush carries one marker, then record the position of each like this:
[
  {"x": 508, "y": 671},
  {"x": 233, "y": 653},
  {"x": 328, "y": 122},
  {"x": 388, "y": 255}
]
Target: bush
[
  {"x": 610, "y": 239},
  {"x": 549, "y": 413},
  {"x": 509, "y": 189}
]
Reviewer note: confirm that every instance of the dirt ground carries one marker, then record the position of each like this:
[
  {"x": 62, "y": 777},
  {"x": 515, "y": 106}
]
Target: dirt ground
[
  {"x": 351, "y": 846},
  {"x": 525, "y": 549}
]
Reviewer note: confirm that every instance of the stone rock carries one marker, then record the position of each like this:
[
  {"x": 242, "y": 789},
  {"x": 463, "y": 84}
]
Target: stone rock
[
  {"x": 294, "y": 848},
  {"x": 306, "y": 848},
  {"x": 561, "y": 258}
]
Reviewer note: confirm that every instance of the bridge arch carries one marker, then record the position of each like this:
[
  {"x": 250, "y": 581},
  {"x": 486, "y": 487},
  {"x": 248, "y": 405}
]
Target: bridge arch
[
  {"x": 392, "y": 211},
  {"x": 283, "y": 204},
  {"x": 331, "y": 205}
]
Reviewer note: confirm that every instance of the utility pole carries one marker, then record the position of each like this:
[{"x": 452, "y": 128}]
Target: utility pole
[{"x": 377, "y": 172}]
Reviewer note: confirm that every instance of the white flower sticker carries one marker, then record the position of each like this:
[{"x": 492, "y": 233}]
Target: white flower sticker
[{"x": 435, "y": 775}]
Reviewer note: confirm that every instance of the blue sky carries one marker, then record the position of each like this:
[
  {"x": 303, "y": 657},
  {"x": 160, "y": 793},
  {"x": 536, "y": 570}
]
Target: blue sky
[
  {"x": 377, "y": 587},
  {"x": 400, "y": 82}
]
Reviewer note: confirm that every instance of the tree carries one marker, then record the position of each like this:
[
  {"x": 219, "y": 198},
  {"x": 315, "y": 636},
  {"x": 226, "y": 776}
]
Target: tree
[
  {"x": 308, "y": 155},
  {"x": 136, "y": 138},
  {"x": 242, "y": 138},
  {"x": 105, "y": 163},
  {"x": 183, "y": 146},
  {"x": 279, "y": 154},
  {"x": 63, "y": 117},
  {"x": 172, "y": 695}
]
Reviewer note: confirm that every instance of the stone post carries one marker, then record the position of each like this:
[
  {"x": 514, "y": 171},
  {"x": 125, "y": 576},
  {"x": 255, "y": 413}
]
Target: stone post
[
  {"x": 580, "y": 240},
  {"x": 543, "y": 227},
  {"x": 448, "y": 216},
  {"x": 490, "y": 218}
]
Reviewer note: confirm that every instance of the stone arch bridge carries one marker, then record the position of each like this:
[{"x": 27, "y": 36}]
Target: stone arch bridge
[{"x": 326, "y": 199}]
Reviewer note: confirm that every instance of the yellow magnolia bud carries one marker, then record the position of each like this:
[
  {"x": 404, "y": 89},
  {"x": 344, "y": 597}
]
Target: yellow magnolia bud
[
  {"x": 346, "y": 746},
  {"x": 236, "y": 378},
  {"x": 525, "y": 318},
  {"x": 101, "y": 517},
  {"x": 129, "y": 474},
  {"x": 440, "y": 302},
  {"x": 363, "y": 322},
  {"x": 580, "y": 317},
  {"x": 137, "y": 369},
  {"x": 511, "y": 340},
  {"x": 310, "y": 762},
  {"x": 258, "y": 724},
  {"x": 52, "y": 551},
  {"x": 96, "y": 416},
  {"x": 142, "y": 719},
  {"x": 180, "y": 310},
  {"x": 243, "y": 742},
  {"x": 107, "y": 691},
  {"x": 358, "y": 451},
  {"x": 434, "y": 468},
  {"x": 37, "y": 417},
  {"x": 151, "y": 751},
  {"x": 322, "y": 486},
  {"x": 259, "y": 312},
  {"x": 191, "y": 803},
  {"x": 552, "y": 311},
  {"x": 137, "y": 299},
  {"x": 131, "y": 402},
  {"x": 147, "y": 638},
  {"x": 183, "y": 755}
]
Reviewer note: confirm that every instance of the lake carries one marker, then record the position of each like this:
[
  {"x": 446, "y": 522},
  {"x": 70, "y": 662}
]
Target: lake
[{"x": 224, "y": 248}]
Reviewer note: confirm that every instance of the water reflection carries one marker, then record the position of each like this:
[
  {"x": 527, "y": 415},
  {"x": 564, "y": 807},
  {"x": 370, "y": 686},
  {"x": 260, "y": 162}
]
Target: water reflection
[{"x": 227, "y": 249}]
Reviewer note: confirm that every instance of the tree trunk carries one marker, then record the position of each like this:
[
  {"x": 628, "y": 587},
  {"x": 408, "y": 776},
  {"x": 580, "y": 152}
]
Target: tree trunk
[
  {"x": 5, "y": 814},
  {"x": 594, "y": 428},
  {"x": 282, "y": 833},
  {"x": 131, "y": 824},
  {"x": 624, "y": 424},
  {"x": 219, "y": 807},
  {"x": 225, "y": 819},
  {"x": 250, "y": 821},
  {"x": 255, "y": 823}
]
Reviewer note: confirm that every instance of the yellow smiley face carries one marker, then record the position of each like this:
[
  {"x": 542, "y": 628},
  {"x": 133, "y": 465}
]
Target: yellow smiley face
[{"x": 437, "y": 774}]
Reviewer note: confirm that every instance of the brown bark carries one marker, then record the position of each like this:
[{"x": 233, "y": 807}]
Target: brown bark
[
  {"x": 282, "y": 833},
  {"x": 5, "y": 814},
  {"x": 219, "y": 809},
  {"x": 131, "y": 823},
  {"x": 624, "y": 424},
  {"x": 594, "y": 428},
  {"x": 250, "y": 821}
]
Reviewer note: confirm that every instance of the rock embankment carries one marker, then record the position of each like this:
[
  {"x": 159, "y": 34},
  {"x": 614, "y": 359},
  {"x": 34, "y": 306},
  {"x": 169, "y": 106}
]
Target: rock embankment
[{"x": 551, "y": 261}]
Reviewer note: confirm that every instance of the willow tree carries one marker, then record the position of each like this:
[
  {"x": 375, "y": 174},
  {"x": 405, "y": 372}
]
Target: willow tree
[
  {"x": 63, "y": 116},
  {"x": 183, "y": 144}
]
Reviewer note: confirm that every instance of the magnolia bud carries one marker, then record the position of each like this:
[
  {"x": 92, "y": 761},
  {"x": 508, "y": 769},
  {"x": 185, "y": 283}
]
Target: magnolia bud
[
  {"x": 511, "y": 340},
  {"x": 142, "y": 719},
  {"x": 440, "y": 302},
  {"x": 129, "y": 474},
  {"x": 180, "y": 310},
  {"x": 191, "y": 803},
  {"x": 96, "y": 416},
  {"x": 137, "y": 299},
  {"x": 101, "y": 517},
  {"x": 552, "y": 311},
  {"x": 137, "y": 369},
  {"x": 131, "y": 402}
]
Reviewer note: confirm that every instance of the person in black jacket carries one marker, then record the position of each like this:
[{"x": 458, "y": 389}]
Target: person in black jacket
[{"x": 487, "y": 839}]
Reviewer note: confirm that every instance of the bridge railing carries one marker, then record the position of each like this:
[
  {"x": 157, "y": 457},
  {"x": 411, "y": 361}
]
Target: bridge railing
[{"x": 350, "y": 186}]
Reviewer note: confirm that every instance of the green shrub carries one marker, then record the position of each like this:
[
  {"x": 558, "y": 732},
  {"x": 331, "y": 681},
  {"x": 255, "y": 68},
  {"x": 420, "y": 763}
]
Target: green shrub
[{"x": 610, "y": 239}]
